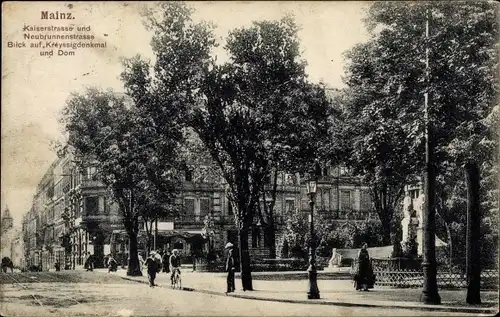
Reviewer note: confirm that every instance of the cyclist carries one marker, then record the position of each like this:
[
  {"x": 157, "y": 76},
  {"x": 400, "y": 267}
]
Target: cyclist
[{"x": 175, "y": 264}]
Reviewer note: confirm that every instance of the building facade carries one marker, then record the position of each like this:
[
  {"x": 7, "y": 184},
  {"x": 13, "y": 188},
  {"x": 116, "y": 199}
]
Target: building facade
[{"x": 73, "y": 214}]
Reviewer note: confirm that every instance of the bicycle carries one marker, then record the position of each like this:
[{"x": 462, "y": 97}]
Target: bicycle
[{"x": 176, "y": 280}]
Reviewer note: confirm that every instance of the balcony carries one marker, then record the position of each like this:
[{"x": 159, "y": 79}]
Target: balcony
[
  {"x": 202, "y": 187},
  {"x": 90, "y": 183},
  {"x": 198, "y": 219},
  {"x": 345, "y": 215}
]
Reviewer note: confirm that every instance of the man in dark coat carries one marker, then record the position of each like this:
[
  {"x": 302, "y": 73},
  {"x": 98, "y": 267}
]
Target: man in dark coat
[
  {"x": 165, "y": 262},
  {"x": 152, "y": 266},
  {"x": 364, "y": 277},
  {"x": 230, "y": 268}
]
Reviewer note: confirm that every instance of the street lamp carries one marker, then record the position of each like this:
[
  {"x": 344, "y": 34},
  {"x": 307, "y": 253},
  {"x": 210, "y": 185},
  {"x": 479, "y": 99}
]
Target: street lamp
[
  {"x": 313, "y": 292},
  {"x": 430, "y": 293}
]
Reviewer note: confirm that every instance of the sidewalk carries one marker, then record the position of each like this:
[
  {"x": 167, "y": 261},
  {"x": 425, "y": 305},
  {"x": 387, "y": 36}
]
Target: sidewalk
[{"x": 332, "y": 292}]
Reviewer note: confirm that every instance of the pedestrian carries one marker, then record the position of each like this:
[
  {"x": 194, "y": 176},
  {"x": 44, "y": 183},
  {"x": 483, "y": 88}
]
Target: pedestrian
[
  {"x": 158, "y": 259},
  {"x": 152, "y": 268},
  {"x": 164, "y": 260},
  {"x": 230, "y": 268},
  {"x": 89, "y": 262},
  {"x": 112, "y": 264},
  {"x": 105, "y": 260},
  {"x": 364, "y": 278},
  {"x": 193, "y": 258},
  {"x": 57, "y": 265}
]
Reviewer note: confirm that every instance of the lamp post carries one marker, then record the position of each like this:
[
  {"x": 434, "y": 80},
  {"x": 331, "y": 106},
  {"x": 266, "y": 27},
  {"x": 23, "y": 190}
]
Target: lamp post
[
  {"x": 430, "y": 293},
  {"x": 313, "y": 292}
]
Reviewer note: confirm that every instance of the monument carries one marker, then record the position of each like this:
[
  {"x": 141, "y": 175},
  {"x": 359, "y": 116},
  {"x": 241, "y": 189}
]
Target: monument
[{"x": 335, "y": 261}]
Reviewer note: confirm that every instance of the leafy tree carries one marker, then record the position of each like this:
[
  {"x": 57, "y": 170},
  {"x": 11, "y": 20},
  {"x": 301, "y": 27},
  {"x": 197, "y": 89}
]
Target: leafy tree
[
  {"x": 236, "y": 109},
  {"x": 291, "y": 112},
  {"x": 165, "y": 91},
  {"x": 257, "y": 113},
  {"x": 137, "y": 166},
  {"x": 386, "y": 84}
]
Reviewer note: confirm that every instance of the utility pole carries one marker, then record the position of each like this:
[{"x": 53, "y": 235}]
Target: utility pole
[{"x": 430, "y": 290}]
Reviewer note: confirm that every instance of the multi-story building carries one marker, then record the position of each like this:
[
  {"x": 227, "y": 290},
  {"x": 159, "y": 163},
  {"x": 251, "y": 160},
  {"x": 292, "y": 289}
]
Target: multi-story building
[
  {"x": 30, "y": 224},
  {"x": 340, "y": 197},
  {"x": 73, "y": 214}
]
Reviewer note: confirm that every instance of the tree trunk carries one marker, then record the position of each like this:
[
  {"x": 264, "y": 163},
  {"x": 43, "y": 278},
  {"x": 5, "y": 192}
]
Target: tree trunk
[
  {"x": 386, "y": 232},
  {"x": 473, "y": 237},
  {"x": 272, "y": 239},
  {"x": 269, "y": 211},
  {"x": 134, "y": 267},
  {"x": 246, "y": 275}
]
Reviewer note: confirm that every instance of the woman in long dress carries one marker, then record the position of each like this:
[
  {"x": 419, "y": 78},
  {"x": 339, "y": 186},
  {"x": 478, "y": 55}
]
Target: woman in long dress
[{"x": 364, "y": 278}]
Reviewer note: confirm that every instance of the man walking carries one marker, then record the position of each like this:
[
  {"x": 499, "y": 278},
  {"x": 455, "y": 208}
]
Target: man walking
[
  {"x": 152, "y": 266},
  {"x": 89, "y": 262},
  {"x": 165, "y": 263},
  {"x": 230, "y": 268}
]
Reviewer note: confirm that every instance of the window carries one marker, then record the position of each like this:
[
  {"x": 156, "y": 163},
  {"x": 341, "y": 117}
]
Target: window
[
  {"x": 229, "y": 207},
  {"x": 267, "y": 179},
  {"x": 179, "y": 245},
  {"x": 91, "y": 206},
  {"x": 102, "y": 204},
  {"x": 189, "y": 206},
  {"x": 255, "y": 237},
  {"x": 414, "y": 193},
  {"x": 345, "y": 200},
  {"x": 267, "y": 241},
  {"x": 289, "y": 206},
  {"x": 188, "y": 174},
  {"x": 366, "y": 201},
  {"x": 90, "y": 172},
  {"x": 344, "y": 171},
  {"x": 204, "y": 207},
  {"x": 325, "y": 171},
  {"x": 291, "y": 179}
]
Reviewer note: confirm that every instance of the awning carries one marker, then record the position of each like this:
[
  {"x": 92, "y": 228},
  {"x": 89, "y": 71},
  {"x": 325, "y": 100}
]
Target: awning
[
  {"x": 169, "y": 233},
  {"x": 179, "y": 233}
]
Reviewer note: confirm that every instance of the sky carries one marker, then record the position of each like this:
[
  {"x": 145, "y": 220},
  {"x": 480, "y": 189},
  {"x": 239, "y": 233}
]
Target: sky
[{"x": 35, "y": 88}]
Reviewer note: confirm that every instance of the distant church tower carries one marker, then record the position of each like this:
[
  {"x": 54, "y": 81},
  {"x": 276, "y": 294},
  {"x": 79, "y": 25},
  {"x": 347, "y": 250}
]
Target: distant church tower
[{"x": 7, "y": 221}]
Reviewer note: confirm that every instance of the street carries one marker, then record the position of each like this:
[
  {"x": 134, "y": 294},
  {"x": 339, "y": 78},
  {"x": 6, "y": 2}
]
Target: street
[{"x": 101, "y": 294}]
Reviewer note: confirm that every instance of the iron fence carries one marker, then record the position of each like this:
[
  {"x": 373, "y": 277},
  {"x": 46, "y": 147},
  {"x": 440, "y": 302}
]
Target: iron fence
[
  {"x": 407, "y": 273},
  {"x": 411, "y": 278}
]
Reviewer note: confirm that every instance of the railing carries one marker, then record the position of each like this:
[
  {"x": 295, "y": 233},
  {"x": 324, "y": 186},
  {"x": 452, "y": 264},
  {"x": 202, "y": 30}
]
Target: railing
[
  {"x": 405, "y": 273},
  {"x": 414, "y": 278}
]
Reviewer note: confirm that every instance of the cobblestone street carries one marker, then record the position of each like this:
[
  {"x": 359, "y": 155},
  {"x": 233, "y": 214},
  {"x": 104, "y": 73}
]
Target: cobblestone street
[{"x": 79, "y": 293}]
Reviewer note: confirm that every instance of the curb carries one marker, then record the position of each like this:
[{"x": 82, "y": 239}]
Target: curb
[{"x": 424, "y": 307}]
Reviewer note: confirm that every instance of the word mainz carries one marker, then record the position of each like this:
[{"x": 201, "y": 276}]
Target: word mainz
[{"x": 46, "y": 15}]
